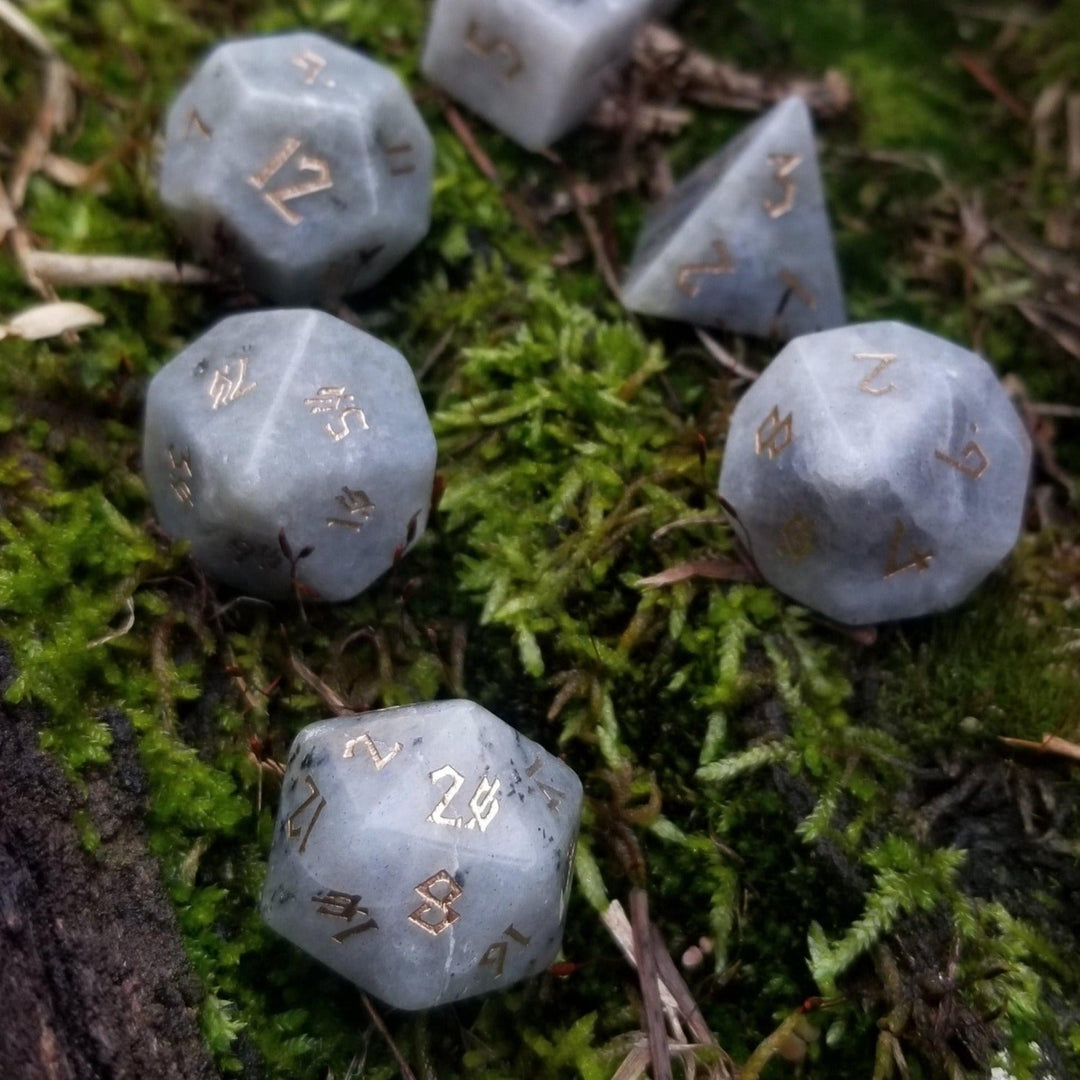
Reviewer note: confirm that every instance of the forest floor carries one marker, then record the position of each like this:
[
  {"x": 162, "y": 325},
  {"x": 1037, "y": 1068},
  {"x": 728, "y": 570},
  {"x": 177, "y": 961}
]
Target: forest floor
[{"x": 855, "y": 875}]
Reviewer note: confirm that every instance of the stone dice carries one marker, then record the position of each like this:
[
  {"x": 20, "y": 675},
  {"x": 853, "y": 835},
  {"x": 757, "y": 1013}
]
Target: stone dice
[
  {"x": 302, "y": 162},
  {"x": 876, "y": 472},
  {"x": 292, "y": 451},
  {"x": 743, "y": 242},
  {"x": 423, "y": 852},
  {"x": 533, "y": 68}
]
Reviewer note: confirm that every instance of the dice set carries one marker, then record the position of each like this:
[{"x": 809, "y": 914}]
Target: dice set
[
  {"x": 423, "y": 852},
  {"x": 874, "y": 472}
]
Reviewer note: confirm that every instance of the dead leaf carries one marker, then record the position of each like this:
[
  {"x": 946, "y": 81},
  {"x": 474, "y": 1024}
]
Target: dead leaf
[{"x": 51, "y": 320}]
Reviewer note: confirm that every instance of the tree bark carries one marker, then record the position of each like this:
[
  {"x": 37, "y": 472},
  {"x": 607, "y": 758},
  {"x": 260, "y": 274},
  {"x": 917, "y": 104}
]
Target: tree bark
[{"x": 94, "y": 981}]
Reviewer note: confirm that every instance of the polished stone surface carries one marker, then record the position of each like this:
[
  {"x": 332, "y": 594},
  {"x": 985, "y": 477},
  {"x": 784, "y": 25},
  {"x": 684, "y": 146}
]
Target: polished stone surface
[
  {"x": 423, "y": 852},
  {"x": 877, "y": 472},
  {"x": 289, "y": 422},
  {"x": 303, "y": 162},
  {"x": 533, "y": 68},
  {"x": 743, "y": 243}
]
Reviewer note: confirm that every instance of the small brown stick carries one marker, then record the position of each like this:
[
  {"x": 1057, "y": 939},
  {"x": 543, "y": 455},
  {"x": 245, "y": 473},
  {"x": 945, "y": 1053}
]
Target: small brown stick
[
  {"x": 693, "y": 75},
  {"x": 1064, "y": 412},
  {"x": 1072, "y": 134},
  {"x": 591, "y": 229},
  {"x": 434, "y": 355},
  {"x": 1050, "y": 744},
  {"x": 58, "y": 268},
  {"x": 648, "y": 979},
  {"x": 56, "y": 109},
  {"x": 715, "y": 569},
  {"x": 464, "y": 132},
  {"x": 669, "y": 973},
  {"x": 17, "y": 22},
  {"x": 990, "y": 83},
  {"x": 330, "y": 698},
  {"x": 723, "y": 357},
  {"x": 376, "y": 1019}
]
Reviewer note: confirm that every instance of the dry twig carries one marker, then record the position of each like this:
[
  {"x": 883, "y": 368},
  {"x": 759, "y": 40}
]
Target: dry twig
[
  {"x": 377, "y": 1020},
  {"x": 57, "y": 268},
  {"x": 723, "y": 357},
  {"x": 695, "y": 76},
  {"x": 645, "y": 950},
  {"x": 1050, "y": 744},
  {"x": 715, "y": 569},
  {"x": 330, "y": 698}
]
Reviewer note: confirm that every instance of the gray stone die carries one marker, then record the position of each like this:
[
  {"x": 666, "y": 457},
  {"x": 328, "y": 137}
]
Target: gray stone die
[
  {"x": 423, "y": 852},
  {"x": 877, "y": 472},
  {"x": 744, "y": 241},
  {"x": 301, "y": 161},
  {"x": 533, "y": 68},
  {"x": 294, "y": 422}
]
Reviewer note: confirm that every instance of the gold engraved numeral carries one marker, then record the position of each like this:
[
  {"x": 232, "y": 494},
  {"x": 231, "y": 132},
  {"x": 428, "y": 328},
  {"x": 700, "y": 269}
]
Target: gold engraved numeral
[
  {"x": 883, "y": 361},
  {"x": 280, "y": 196},
  {"x": 972, "y": 461},
  {"x": 796, "y": 540},
  {"x": 228, "y": 383},
  {"x": 796, "y": 287},
  {"x": 197, "y": 127},
  {"x": 916, "y": 560},
  {"x": 357, "y": 505},
  {"x": 495, "y": 955},
  {"x": 336, "y": 400},
  {"x": 339, "y": 905},
  {"x": 180, "y": 475},
  {"x": 398, "y": 159},
  {"x": 553, "y": 796},
  {"x": 378, "y": 759},
  {"x": 774, "y": 435},
  {"x": 456, "y": 782},
  {"x": 783, "y": 166},
  {"x": 293, "y": 828},
  {"x": 311, "y": 64},
  {"x": 485, "y": 45},
  {"x": 435, "y": 904},
  {"x": 484, "y": 803},
  {"x": 686, "y": 279}
]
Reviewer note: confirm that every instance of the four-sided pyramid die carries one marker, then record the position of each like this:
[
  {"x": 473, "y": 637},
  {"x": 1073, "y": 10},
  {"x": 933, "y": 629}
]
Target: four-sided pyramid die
[{"x": 744, "y": 242}]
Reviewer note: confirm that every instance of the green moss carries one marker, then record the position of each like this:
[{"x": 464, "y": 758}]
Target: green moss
[{"x": 757, "y": 772}]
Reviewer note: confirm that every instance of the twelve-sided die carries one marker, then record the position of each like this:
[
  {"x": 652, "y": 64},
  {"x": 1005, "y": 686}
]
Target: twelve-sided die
[
  {"x": 533, "y": 68},
  {"x": 423, "y": 852},
  {"x": 303, "y": 162},
  {"x": 877, "y": 472},
  {"x": 290, "y": 424}
]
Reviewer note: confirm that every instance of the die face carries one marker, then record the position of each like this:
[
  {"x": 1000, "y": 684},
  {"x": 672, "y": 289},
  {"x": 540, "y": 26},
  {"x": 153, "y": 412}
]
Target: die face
[
  {"x": 453, "y": 832},
  {"x": 289, "y": 422},
  {"x": 744, "y": 241},
  {"x": 533, "y": 68},
  {"x": 303, "y": 162},
  {"x": 877, "y": 471}
]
